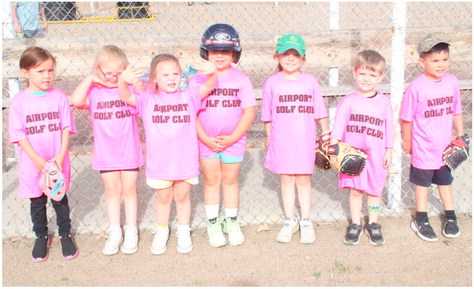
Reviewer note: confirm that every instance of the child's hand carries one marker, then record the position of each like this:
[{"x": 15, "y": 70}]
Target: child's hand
[
  {"x": 39, "y": 163},
  {"x": 59, "y": 161},
  {"x": 387, "y": 159},
  {"x": 130, "y": 75},
  {"x": 97, "y": 81},
  {"x": 225, "y": 140},
  {"x": 205, "y": 67},
  {"x": 214, "y": 144},
  {"x": 406, "y": 146}
]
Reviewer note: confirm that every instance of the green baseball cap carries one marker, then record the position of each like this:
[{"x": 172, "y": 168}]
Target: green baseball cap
[
  {"x": 428, "y": 42},
  {"x": 291, "y": 41}
]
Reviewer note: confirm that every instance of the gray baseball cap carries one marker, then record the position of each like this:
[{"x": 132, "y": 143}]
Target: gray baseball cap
[{"x": 428, "y": 42}]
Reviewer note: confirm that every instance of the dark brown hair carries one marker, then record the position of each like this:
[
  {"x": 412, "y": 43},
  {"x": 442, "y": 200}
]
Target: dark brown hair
[{"x": 33, "y": 56}]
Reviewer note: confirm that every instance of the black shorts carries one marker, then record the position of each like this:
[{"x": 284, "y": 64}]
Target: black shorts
[
  {"x": 127, "y": 170},
  {"x": 424, "y": 178}
]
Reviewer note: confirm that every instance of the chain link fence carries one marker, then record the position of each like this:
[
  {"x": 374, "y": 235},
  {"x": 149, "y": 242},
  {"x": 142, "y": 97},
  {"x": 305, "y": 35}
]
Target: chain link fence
[{"x": 334, "y": 33}]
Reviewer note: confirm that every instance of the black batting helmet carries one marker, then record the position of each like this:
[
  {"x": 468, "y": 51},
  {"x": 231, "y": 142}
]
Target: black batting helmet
[{"x": 220, "y": 36}]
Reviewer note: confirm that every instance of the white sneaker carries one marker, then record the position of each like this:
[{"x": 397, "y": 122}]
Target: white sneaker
[
  {"x": 287, "y": 230},
  {"x": 162, "y": 234},
  {"x": 114, "y": 239},
  {"x": 232, "y": 228},
  {"x": 130, "y": 242},
  {"x": 185, "y": 244},
  {"x": 215, "y": 235},
  {"x": 307, "y": 235}
]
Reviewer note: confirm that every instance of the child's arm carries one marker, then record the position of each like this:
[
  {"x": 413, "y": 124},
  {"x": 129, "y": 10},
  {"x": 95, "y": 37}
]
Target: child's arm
[
  {"x": 242, "y": 127},
  {"x": 268, "y": 126},
  {"x": 406, "y": 136},
  {"x": 37, "y": 160},
  {"x": 209, "y": 69},
  {"x": 127, "y": 77},
  {"x": 79, "y": 96},
  {"x": 324, "y": 124},
  {"x": 458, "y": 124},
  {"x": 210, "y": 142},
  {"x": 59, "y": 159},
  {"x": 43, "y": 17},
  {"x": 16, "y": 22},
  {"x": 387, "y": 159}
]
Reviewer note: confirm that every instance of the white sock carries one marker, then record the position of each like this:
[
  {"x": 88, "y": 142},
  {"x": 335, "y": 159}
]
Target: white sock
[
  {"x": 231, "y": 212},
  {"x": 212, "y": 211}
]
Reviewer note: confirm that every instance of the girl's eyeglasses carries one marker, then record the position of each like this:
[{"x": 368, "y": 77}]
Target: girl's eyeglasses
[{"x": 110, "y": 74}]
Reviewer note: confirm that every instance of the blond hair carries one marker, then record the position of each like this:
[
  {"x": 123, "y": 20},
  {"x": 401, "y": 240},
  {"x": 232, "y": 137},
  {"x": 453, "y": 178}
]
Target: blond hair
[
  {"x": 157, "y": 60},
  {"x": 109, "y": 53},
  {"x": 370, "y": 59}
]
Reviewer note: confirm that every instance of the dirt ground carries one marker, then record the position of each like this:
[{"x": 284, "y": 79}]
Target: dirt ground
[{"x": 404, "y": 260}]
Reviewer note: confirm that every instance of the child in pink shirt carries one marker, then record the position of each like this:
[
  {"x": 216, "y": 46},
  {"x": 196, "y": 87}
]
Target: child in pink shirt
[
  {"x": 117, "y": 147},
  {"x": 430, "y": 107},
  {"x": 223, "y": 122},
  {"x": 40, "y": 122},
  {"x": 364, "y": 119},
  {"x": 292, "y": 105},
  {"x": 172, "y": 156}
]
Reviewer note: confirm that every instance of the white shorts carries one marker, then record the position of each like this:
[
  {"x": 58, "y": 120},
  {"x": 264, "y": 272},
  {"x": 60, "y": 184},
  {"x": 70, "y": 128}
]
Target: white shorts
[{"x": 163, "y": 184}]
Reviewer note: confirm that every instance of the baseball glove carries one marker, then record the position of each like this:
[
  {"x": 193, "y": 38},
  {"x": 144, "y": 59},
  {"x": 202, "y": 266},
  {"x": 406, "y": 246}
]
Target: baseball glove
[
  {"x": 322, "y": 160},
  {"x": 457, "y": 151},
  {"x": 346, "y": 159},
  {"x": 52, "y": 181}
]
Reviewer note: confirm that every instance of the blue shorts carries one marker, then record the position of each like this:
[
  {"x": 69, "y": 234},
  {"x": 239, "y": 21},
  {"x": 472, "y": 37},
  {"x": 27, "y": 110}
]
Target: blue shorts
[
  {"x": 424, "y": 178},
  {"x": 226, "y": 159}
]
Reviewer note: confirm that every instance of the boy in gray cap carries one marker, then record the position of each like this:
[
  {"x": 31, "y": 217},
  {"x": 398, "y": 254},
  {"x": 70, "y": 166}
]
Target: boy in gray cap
[{"x": 430, "y": 107}]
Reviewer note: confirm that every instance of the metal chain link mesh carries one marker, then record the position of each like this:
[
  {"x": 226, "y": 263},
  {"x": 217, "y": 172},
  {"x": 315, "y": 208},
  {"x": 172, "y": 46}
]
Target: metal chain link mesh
[{"x": 334, "y": 33}]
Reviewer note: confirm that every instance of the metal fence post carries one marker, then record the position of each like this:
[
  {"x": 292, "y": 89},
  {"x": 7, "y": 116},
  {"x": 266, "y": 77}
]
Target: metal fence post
[{"x": 396, "y": 93}]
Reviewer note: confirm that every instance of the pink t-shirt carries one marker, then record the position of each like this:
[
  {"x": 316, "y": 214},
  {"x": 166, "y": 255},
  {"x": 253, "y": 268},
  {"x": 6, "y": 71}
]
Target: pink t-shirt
[
  {"x": 292, "y": 107},
  {"x": 116, "y": 133},
  {"x": 430, "y": 107},
  {"x": 41, "y": 120},
  {"x": 223, "y": 108},
  {"x": 367, "y": 124},
  {"x": 169, "y": 120}
]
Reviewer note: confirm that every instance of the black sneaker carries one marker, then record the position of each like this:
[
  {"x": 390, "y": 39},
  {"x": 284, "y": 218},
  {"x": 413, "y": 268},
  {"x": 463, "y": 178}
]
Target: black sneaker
[
  {"x": 424, "y": 231},
  {"x": 353, "y": 234},
  {"x": 69, "y": 250},
  {"x": 40, "y": 249},
  {"x": 451, "y": 228},
  {"x": 375, "y": 234}
]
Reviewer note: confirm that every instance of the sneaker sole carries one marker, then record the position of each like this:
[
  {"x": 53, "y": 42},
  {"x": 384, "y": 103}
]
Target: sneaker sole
[
  {"x": 129, "y": 251},
  {"x": 451, "y": 235},
  {"x": 238, "y": 243},
  {"x": 158, "y": 252},
  {"x": 47, "y": 253},
  {"x": 372, "y": 242},
  {"x": 420, "y": 235},
  {"x": 184, "y": 250}
]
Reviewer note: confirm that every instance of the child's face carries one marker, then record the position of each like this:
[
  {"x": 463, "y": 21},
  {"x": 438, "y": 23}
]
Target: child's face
[
  {"x": 40, "y": 77},
  {"x": 222, "y": 59},
  {"x": 109, "y": 72},
  {"x": 367, "y": 80},
  {"x": 290, "y": 60},
  {"x": 435, "y": 65},
  {"x": 168, "y": 76}
]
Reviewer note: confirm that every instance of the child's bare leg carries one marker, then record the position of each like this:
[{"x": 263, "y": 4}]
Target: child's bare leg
[
  {"x": 421, "y": 198},
  {"x": 182, "y": 191},
  {"x": 447, "y": 197},
  {"x": 355, "y": 204},
  {"x": 303, "y": 184},
  {"x": 113, "y": 189},
  {"x": 164, "y": 197},
  {"x": 212, "y": 180},
  {"x": 374, "y": 208},
  {"x": 230, "y": 187},
  {"x": 130, "y": 198},
  {"x": 288, "y": 195}
]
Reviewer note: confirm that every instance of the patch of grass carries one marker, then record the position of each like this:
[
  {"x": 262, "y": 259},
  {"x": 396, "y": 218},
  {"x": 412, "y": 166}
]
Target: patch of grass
[
  {"x": 196, "y": 283},
  {"x": 341, "y": 267},
  {"x": 317, "y": 275},
  {"x": 64, "y": 279},
  {"x": 358, "y": 268}
]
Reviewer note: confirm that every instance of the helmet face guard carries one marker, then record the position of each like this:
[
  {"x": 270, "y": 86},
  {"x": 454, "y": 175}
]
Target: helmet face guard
[{"x": 220, "y": 36}]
